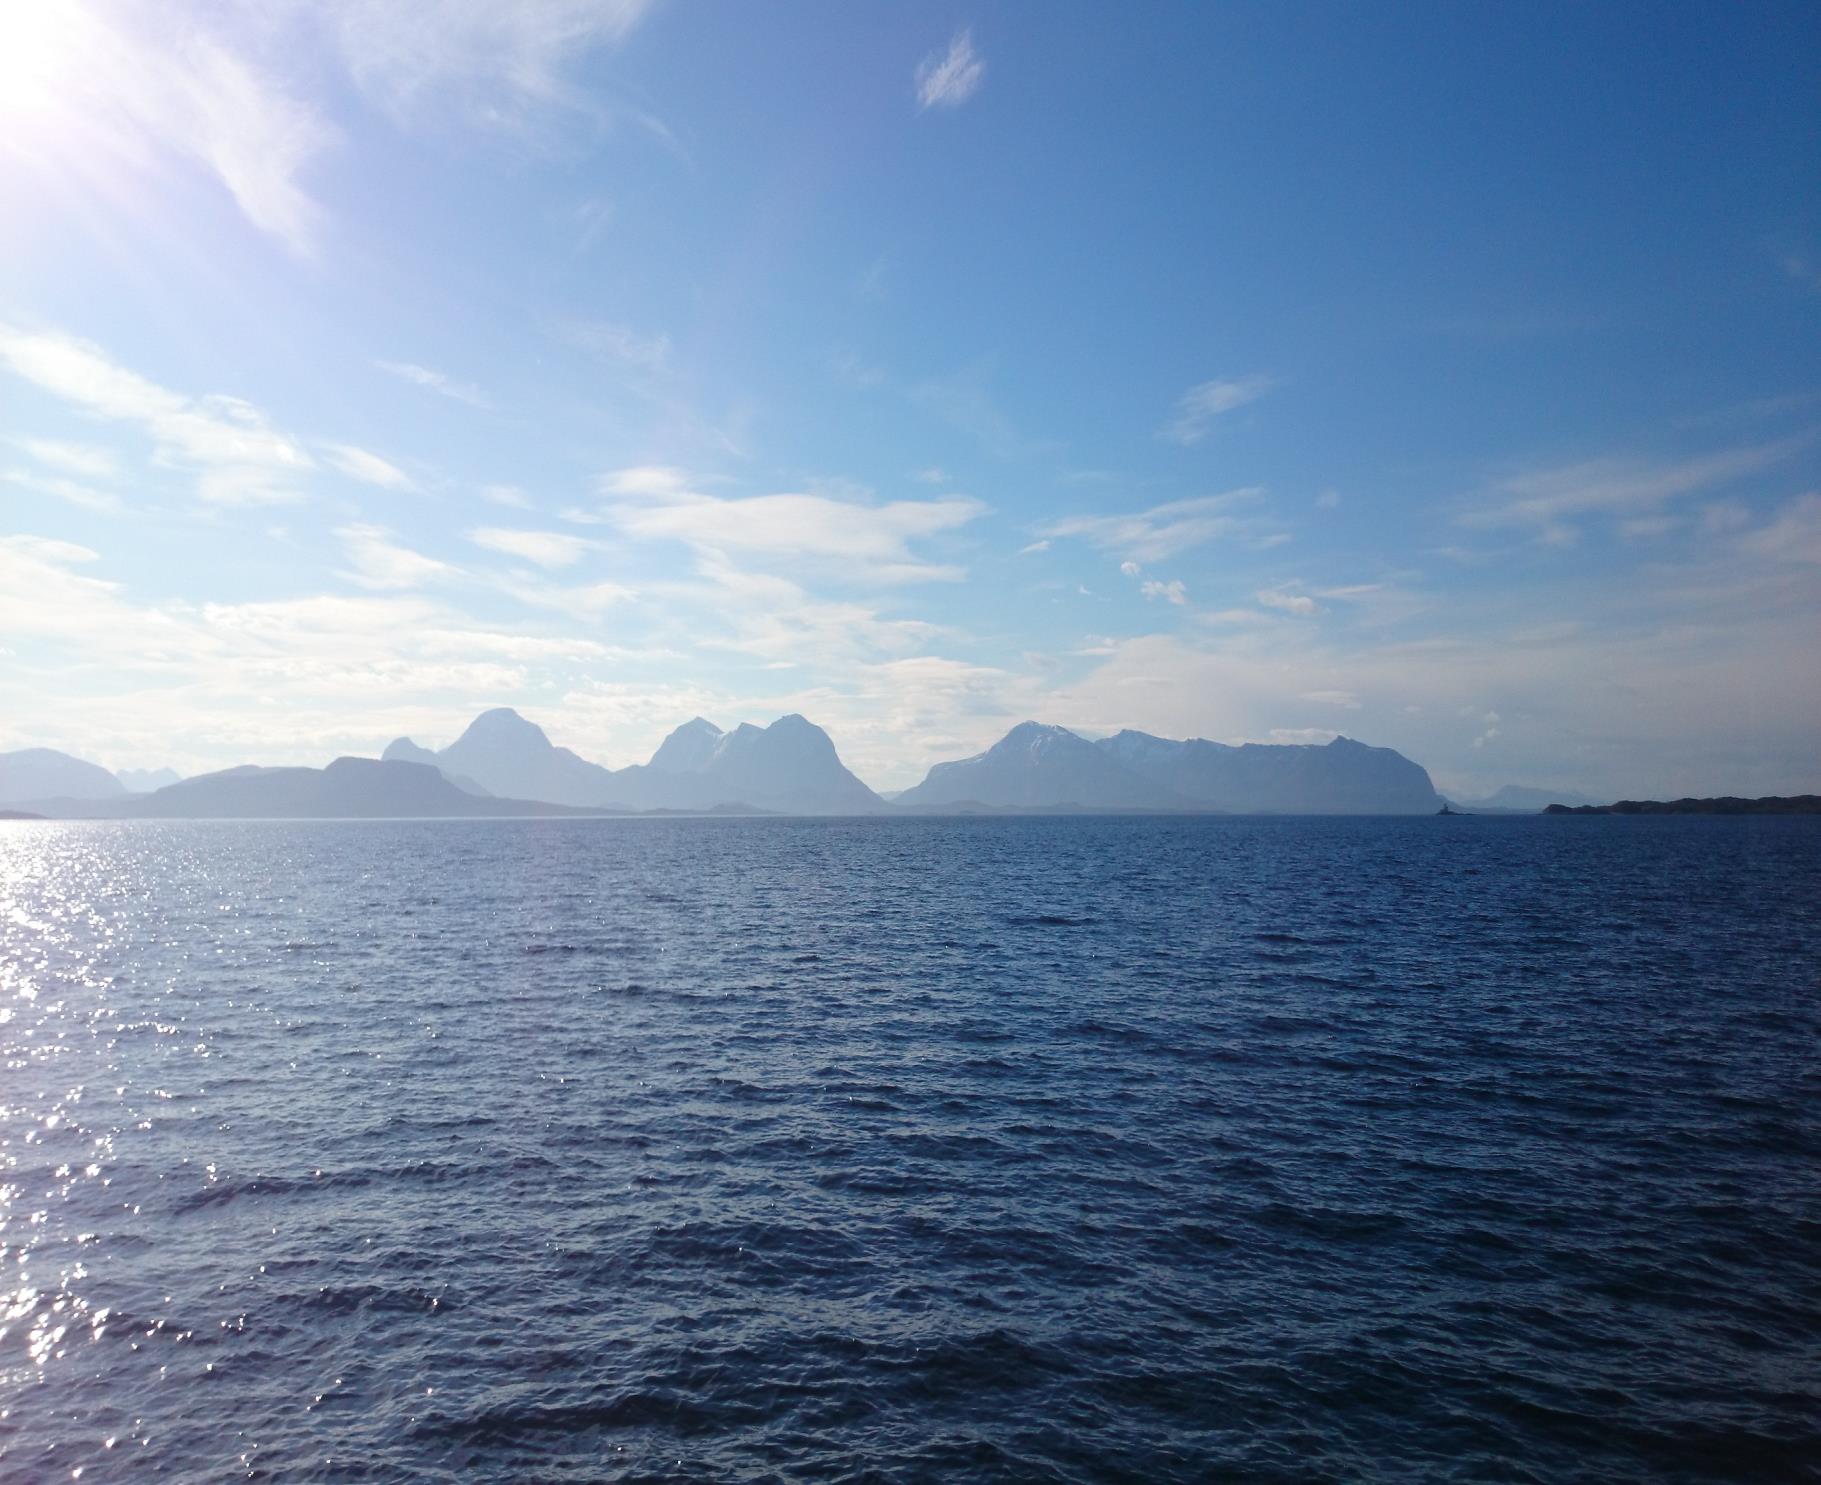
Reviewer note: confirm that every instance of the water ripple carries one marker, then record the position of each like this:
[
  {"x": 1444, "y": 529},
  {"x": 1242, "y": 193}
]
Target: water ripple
[{"x": 1054, "y": 1149}]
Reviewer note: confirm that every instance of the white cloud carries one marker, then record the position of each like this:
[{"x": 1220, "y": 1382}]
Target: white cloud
[
  {"x": 545, "y": 548},
  {"x": 69, "y": 490},
  {"x": 1034, "y": 548},
  {"x": 1172, "y": 592},
  {"x": 435, "y": 381},
  {"x": 379, "y": 562},
  {"x": 507, "y": 495},
  {"x": 870, "y": 541},
  {"x": 1794, "y": 536},
  {"x": 368, "y": 468},
  {"x": 81, "y": 459},
  {"x": 1548, "y": 499},
  {"x": 1289, "y": 603},
  {"x": 1724, "y": 515},
  {"x": 947, "y": 80},
  {"x": 658, "y": 481},
  {"x": 236, "y": 455},
  {"x": 1328, "y": 500},
  {"x": 1162, "y": 531},
  {"x": 1198, "y": 407},
  {"x": 1130, "y": 569},
  {"x": 48, "y": 550},
  {"x": 586, "y": 601}
]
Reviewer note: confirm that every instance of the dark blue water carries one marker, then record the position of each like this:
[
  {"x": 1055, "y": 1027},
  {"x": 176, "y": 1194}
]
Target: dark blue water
[{"x": 1041, "y": 1149}]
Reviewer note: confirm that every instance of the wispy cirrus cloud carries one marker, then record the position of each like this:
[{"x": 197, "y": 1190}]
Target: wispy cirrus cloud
[
  {"x": 367, "y": 467},
  {"x": 496, "y": 58},
  {"x": 66, "y": 489},
  {"x": 948, "y": 79},
  {"x": 1163, "y": 530},
  {"x": 1792, "y": 535},
  {"x": 1550, "y": 500},
  {"x": 607, "y": 340},
  {"x": 545, "y": 548},
  {"x": 1197, "y": 408},
  {"x": 235, "y": 454},
  {"x": 83, "y": 459},
  {"x": 436, "y": 381}
]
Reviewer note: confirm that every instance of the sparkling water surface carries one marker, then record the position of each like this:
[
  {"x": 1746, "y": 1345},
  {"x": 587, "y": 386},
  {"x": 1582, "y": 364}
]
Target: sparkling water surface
[{"x": 975, "y": 1149}]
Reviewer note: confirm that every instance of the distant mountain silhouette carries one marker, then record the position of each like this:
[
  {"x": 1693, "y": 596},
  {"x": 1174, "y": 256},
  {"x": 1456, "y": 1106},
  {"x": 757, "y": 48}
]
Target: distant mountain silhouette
[
  {"x": 1048, "y": 766},
  {"x": 790, "y": 766},
  {"x": 349, "y": 788},
  {"x": 43, "y": 773},
  {"x": 689, "y": 749},
  {"x": 1342, "y": 777},
  {"x": 504, "y": 764},
  {"x": 403, "y": 750},
  {"x": 510, "y": 758},
  {"x": 145, "y": 780},
  {"x": 1039, "y": 765}
]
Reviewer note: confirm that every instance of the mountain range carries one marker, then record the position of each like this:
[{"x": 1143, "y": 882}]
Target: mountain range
[
  {"x": 503, "y": 764},
  {"x": 790, "y": 766}
]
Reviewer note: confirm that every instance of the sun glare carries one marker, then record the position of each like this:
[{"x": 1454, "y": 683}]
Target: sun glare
[{"x": 40, "y": 41}]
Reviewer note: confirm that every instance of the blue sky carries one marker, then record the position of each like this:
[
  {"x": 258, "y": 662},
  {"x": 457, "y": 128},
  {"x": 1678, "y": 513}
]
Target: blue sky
[{"x": 1445, "y": 376}]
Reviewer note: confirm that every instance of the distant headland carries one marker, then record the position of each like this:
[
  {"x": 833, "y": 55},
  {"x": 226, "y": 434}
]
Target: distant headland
[{"x": 1771, "y": 804}]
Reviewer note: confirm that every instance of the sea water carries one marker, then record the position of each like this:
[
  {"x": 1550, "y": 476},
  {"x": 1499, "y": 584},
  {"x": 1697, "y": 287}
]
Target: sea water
[{"x": 963, "y": 1149}]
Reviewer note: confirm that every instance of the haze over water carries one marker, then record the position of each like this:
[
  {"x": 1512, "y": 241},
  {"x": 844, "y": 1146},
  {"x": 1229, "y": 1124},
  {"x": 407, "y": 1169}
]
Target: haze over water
[{"x": 1068, "y": 1149}]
